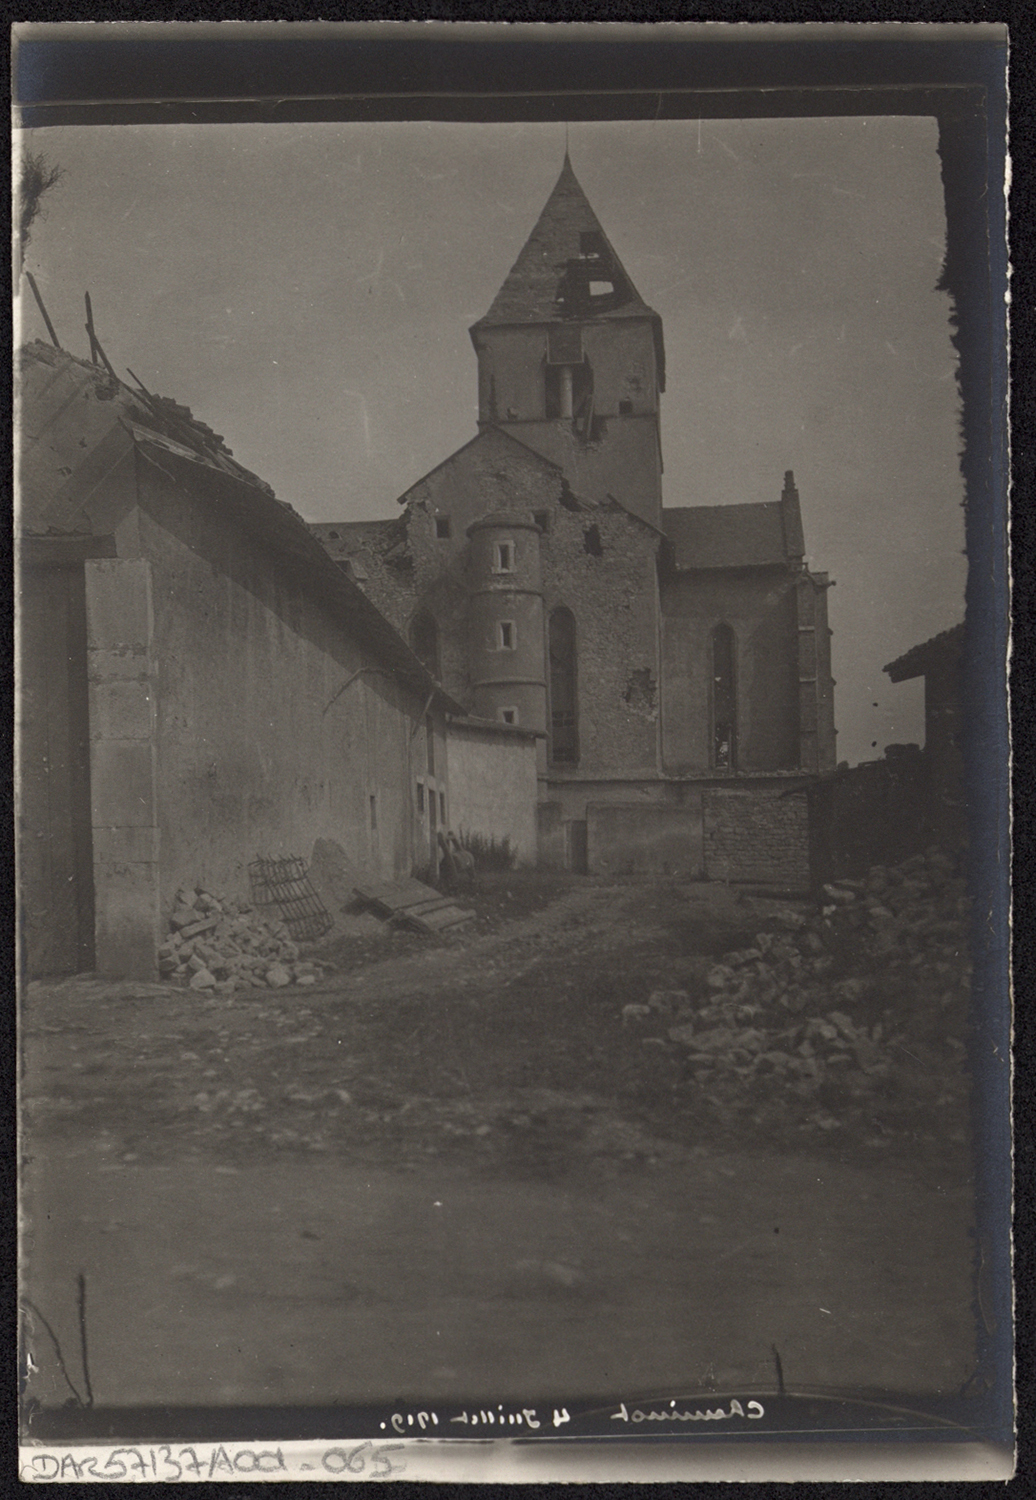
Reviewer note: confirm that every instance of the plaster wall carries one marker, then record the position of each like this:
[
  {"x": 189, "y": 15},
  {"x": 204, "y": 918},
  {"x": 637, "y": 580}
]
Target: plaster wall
[
  {"x": 646, "y": 840},
  {"x": 253, "y": 756},
  {"x": 493, "y": 786},
  {"x": 125, "y": 831}
]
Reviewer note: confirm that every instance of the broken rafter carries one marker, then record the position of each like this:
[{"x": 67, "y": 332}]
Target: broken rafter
[
  {"x": 95, "y": 343},
  {"x": 30, "y": 278}
]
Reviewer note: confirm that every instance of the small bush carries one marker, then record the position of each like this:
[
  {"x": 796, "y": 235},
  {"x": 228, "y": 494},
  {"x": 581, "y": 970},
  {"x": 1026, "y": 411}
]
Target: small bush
[{"x": 488, "y": 853}]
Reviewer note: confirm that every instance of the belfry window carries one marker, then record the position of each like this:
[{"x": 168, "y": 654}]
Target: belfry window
[
  {"x": 424, "y": 641},
  {"x": 724, "y": 699},
  {"x": 569, "y": 391},
  {"x": 564, "y": 722}
]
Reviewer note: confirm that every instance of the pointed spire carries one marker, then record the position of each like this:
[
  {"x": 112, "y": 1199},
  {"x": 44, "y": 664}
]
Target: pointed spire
[{"x": 567, "y": 268}]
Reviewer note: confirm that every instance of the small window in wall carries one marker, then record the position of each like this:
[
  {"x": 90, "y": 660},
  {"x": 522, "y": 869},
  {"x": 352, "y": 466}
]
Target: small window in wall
[
  {"x": 333, "y": 535},
  {"x": 507, "y": 635},
  {"x": 592, "y": 542},
  {"x": 542, "y": 519},
  {"x": 442, "y": 528},
  {"x": 564, "y": 721},
  {"x": 509, "y": 715},
  {"x": 374, "y": 813},
  {"x": 504, "y": 558},
  {"x": 724, "y": 699},
  {"x": 625, "y": 408},
  {"x": 420, "y": 797},
  {"x": 442, "y": 807}
]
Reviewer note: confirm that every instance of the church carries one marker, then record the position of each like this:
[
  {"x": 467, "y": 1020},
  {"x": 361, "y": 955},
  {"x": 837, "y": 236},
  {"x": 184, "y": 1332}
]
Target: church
[{"x": 673, "y": 661}]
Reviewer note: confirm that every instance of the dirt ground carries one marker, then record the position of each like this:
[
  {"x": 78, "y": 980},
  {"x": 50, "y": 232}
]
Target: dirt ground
[{"x": 480, "y": 1163}]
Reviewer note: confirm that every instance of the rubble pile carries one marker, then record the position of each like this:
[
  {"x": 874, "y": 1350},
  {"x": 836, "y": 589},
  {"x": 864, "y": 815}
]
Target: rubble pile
[
  {"x": 833, "y": 1007},
  {"x": 224, "y": 945}
]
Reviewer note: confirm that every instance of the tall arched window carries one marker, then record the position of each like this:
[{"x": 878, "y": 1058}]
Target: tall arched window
[
  {"x": 564, "y": 712},
  {"x": 424, "y": 641},
  {"x": 724, "y": 699}
]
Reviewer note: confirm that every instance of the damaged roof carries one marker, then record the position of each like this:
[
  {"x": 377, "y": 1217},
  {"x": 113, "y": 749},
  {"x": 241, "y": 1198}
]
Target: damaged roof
[
  {"x": 566, "y": 257},
  {"x": 920, "y": 659},
  {"x": 71, "y": 413}
]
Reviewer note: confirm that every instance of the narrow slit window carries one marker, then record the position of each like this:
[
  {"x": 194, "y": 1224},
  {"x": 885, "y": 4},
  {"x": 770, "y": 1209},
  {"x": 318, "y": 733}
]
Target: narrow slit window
[
  {"x": 442, "y": 807},
  {"x": 420, "y": 797},
  {"x": 374, "y": 813},
  {"x": 564, "y": 711},
  {"x": 442, "y": 528},
  {"x": 507, "y": 635},
  {"x": 542, "y": 519},
  {"x": 724, "y": 699},
  {"x": 505, "y": 557}
]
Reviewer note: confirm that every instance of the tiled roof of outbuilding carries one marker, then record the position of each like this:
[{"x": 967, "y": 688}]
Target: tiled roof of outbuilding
[{"x": 919, "y": 659}]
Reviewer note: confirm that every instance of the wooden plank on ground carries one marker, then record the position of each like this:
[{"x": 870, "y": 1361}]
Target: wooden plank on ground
[
  {"x": 420, "y": 907},
  {"x": 437, "y": 921},
  {"x": 393, "y": 896}
]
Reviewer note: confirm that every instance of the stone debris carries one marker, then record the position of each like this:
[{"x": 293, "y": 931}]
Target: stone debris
[
  {"x": 830, "y": 1006},
  {"x": 226, "y": 947}
]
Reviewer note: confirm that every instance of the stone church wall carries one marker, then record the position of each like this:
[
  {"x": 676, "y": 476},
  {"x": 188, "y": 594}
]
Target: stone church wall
[
  {"x": 600, "y": 564},
  {"x": 760, "y": 608}
]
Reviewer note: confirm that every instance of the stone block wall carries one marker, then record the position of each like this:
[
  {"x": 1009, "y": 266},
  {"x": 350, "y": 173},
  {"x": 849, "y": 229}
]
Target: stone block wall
[{"x": 758, "y": 835}]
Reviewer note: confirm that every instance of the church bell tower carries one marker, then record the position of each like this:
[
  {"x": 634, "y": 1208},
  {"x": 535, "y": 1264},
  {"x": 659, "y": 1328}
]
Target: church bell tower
[{"x": 571, "y": 361}]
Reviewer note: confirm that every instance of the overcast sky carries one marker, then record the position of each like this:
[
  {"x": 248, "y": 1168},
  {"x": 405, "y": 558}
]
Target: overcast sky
[{"x": 307, "y": 291}]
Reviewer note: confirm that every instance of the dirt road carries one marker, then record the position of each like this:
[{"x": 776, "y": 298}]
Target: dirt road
[{"x": 465, "y": 1167}]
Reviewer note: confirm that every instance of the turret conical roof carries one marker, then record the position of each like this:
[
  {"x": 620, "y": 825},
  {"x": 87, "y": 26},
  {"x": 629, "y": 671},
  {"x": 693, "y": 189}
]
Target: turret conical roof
[{"x": 567, "y": 268}]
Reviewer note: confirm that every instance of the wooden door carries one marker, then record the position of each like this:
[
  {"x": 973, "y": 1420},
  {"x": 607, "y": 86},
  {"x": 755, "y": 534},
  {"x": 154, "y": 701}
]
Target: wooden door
[{"x": 55, "y": 855}]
